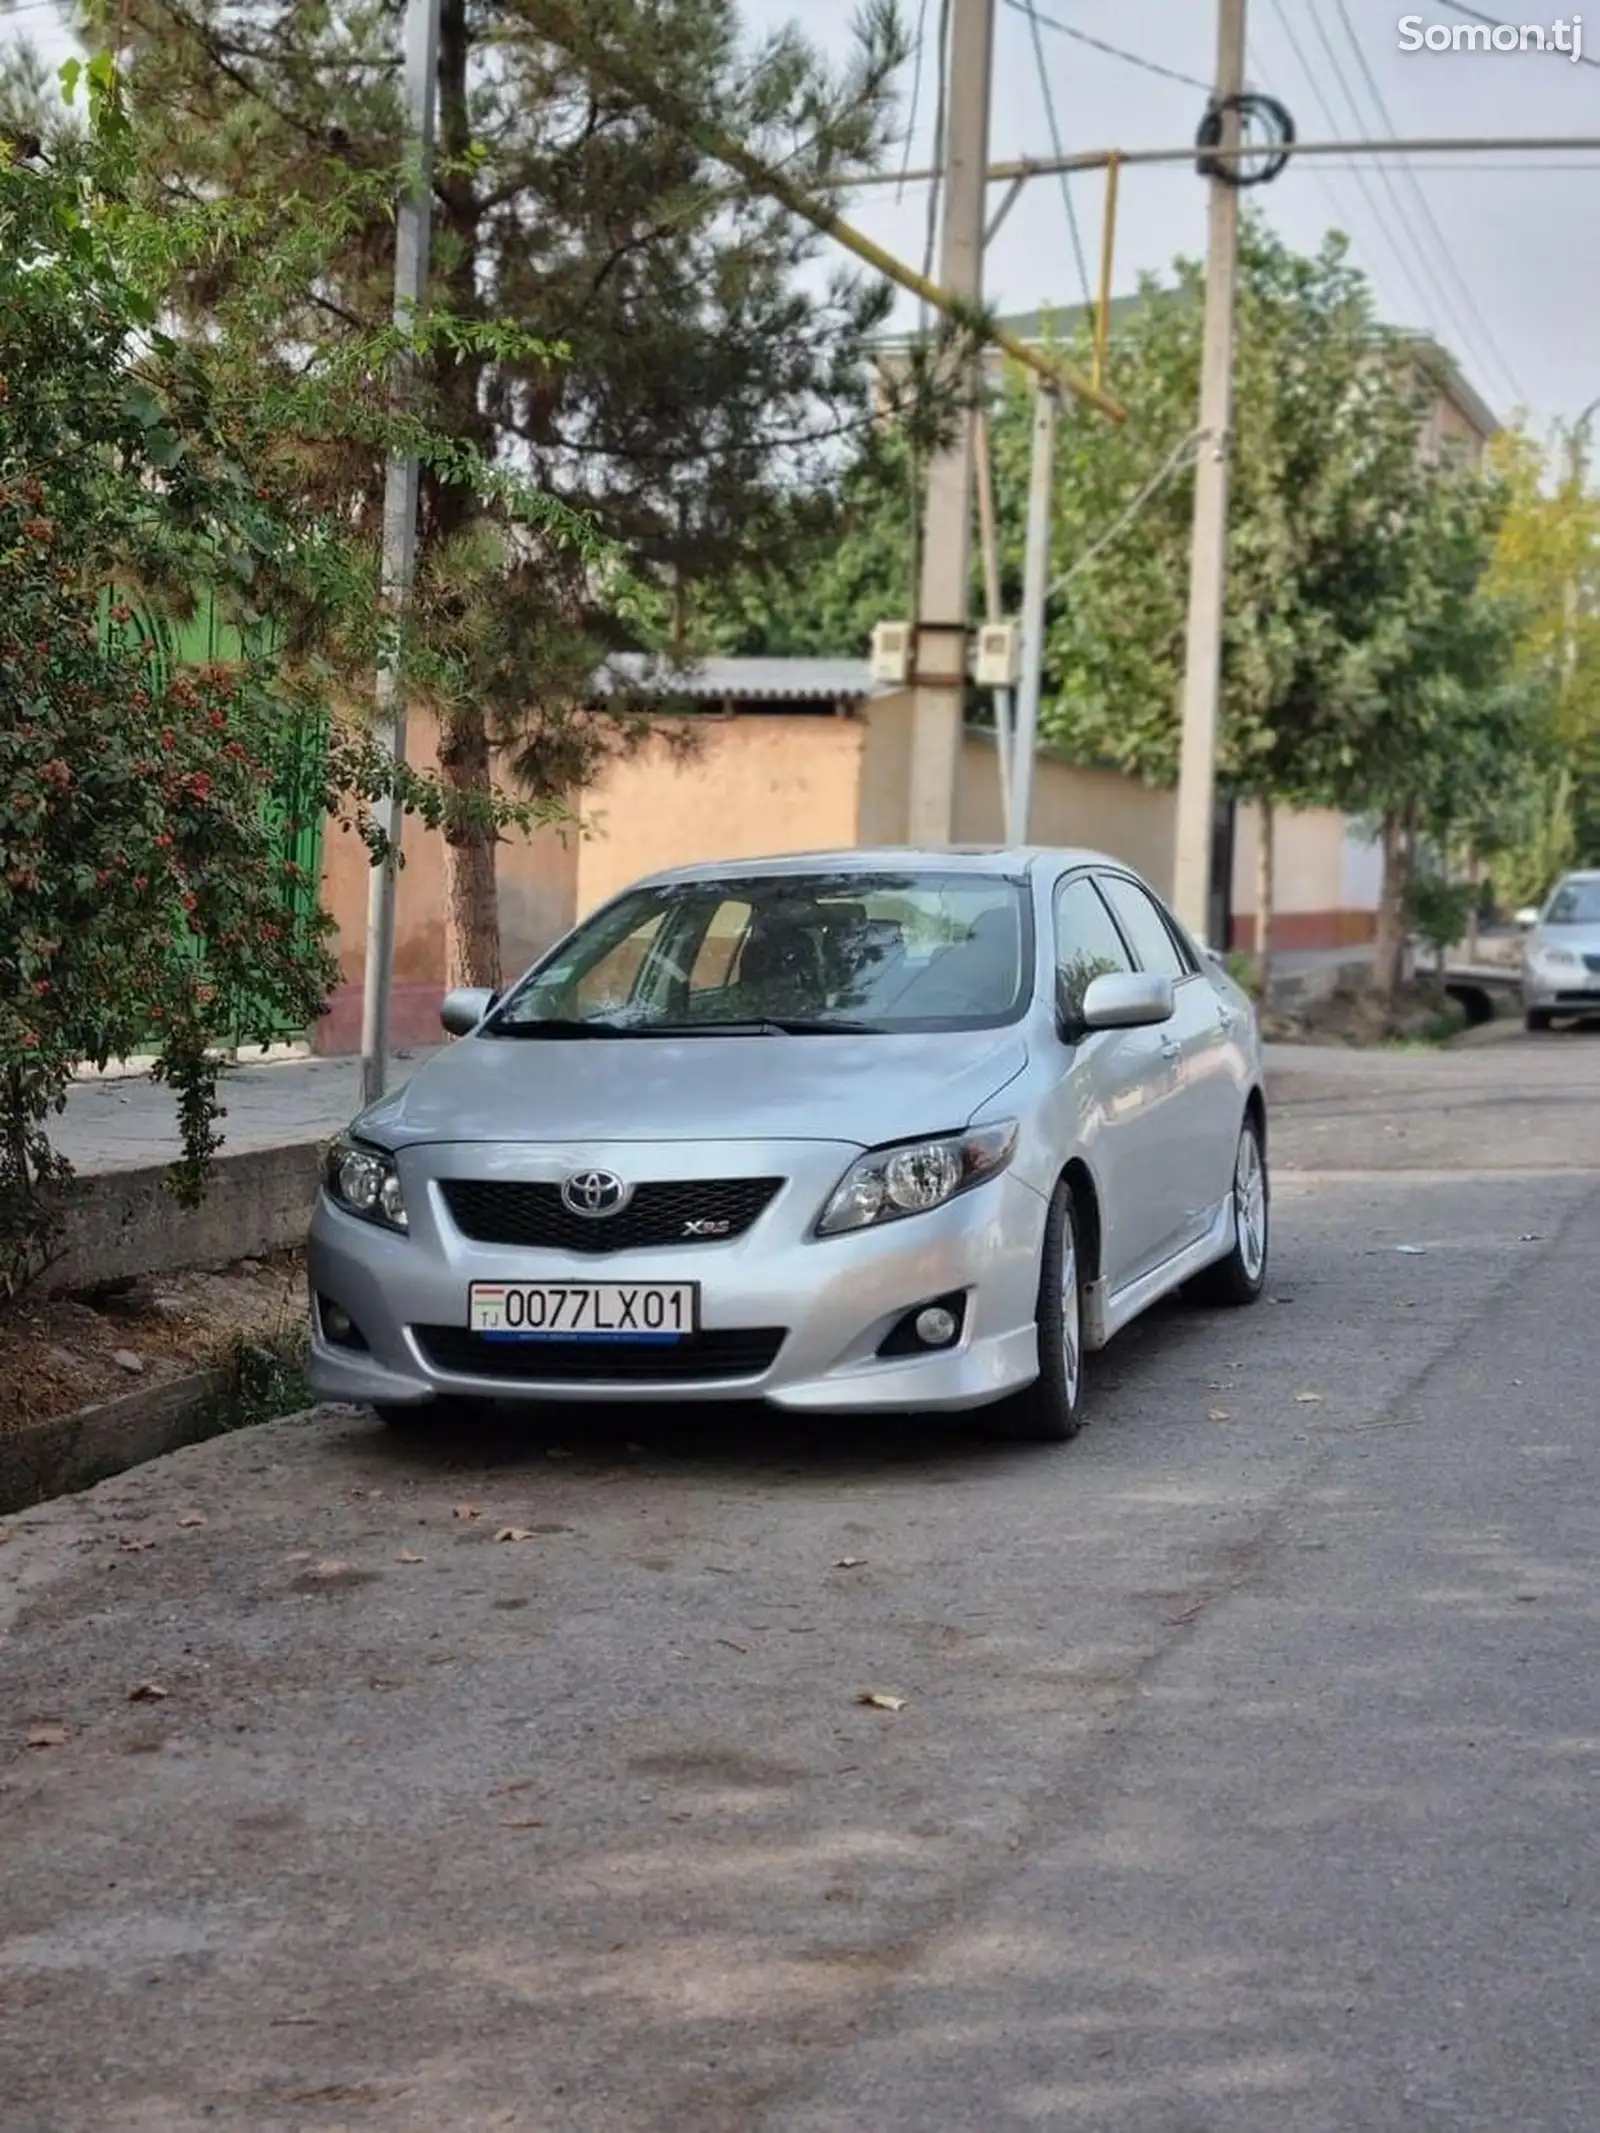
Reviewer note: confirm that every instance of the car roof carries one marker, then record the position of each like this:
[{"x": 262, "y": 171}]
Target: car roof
[
  {"x": 1579, "y": 874},
  {"x": 1010, "y": 860}
]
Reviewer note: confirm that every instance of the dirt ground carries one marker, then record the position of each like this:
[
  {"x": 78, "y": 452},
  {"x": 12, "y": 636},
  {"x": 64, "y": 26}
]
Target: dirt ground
[
  {"x": 1421, "y": 1013},
  {"x": 60, "y": 1354}
]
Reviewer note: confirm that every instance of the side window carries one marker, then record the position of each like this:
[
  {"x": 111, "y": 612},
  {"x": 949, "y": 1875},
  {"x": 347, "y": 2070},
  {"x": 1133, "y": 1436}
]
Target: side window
[
  {"x": 1140, "y": 919},
  {"x": 1088, "y": 945}
]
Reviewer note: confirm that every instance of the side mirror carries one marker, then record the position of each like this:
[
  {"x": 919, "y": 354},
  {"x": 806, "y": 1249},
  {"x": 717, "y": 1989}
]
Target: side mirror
[
  {"x": 465, "y": 1008},
  {"x": 1127, "y": 999},
  {"x": 1527, "y": 918}
]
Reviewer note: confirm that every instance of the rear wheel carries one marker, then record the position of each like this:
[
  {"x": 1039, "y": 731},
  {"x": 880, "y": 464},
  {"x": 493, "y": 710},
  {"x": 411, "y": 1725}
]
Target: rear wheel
[
  {"x": 1240, "y": 1278},
  {"x": 1050, "y": 1410},
  {"x": 1536, "y": 1020}
]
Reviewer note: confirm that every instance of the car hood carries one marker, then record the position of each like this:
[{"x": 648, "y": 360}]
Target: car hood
[
  {"x": 1582, "y": 940},
  {"x": 861, "y": 1089}
]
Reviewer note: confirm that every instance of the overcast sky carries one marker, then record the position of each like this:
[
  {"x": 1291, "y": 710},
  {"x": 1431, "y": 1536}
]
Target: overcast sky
[
  {"x": 1505, "y": 273},
  {"x": 1525, "y": 242}
]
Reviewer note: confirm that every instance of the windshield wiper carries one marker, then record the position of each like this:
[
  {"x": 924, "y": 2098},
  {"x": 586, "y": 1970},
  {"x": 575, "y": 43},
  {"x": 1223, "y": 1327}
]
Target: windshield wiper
[
  {"x": 556, "y": 1026},
  {"x": 800, "y": 1027}
]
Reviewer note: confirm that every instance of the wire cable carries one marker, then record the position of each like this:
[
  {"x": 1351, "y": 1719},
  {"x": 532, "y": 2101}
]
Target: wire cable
[
  {"x": 1466, "y": 316},
  {"x": 1114, "y": 51},
  {"x": 1336, "y": 132},
  {"x": 916, "y": 97},
  {"x": 1184, "y": 450},
  {"x": 1054, "y": 125}
]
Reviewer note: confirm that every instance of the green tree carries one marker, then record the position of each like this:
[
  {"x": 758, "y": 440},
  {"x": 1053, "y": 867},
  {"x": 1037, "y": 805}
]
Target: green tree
[
  {"x": 654, "y": 350},
  {"x": 143, "y": 890}
]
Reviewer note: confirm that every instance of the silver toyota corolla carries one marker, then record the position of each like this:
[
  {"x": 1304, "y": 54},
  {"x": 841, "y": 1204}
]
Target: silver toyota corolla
[
  {"x": 1561, "y": 955},
  {"x": 869, "y": 1130}
]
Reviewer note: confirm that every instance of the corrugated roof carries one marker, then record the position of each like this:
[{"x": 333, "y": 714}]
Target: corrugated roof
[{"x": 741, "y": 680}]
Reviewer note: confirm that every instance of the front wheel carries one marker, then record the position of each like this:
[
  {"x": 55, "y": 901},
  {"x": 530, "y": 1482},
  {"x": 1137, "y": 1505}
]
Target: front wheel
[
  {"x": 1050, "y": 1410},
  {"x": 1240, "y": 1278}
]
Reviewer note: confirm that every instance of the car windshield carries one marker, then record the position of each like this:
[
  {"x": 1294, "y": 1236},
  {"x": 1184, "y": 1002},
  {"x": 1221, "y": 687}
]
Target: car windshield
[
  {"x": 794, "y": 953},
  {"x": 1575, "y": 903}
]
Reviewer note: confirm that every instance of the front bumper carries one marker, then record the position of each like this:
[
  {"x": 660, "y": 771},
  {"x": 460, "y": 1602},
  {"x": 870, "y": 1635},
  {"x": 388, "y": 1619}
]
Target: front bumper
[
  {"x": 834, "y": 1299},
  {"x": 1574, "y": 990}
]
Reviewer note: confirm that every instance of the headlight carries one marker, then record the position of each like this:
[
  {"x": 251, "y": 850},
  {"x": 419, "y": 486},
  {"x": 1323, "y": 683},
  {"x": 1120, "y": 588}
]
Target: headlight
[
  {"x": 916, "y": 1175},
  {"x": 365, "y": 1182}
]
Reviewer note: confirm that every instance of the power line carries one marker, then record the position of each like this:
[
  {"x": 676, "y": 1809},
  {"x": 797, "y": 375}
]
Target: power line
[
  {"x": 1494, "y": 22},
  {"x": 1465, "y": 318},
  {"x": 1449, "y": 258},
  {"x": 1407, "y": 269},
  {"x": 916, "y": 95},
  {"x": 1055, "y": 141},
  {"x": 1114, "y": 51},
  {"x": 1181, "y": 453}
]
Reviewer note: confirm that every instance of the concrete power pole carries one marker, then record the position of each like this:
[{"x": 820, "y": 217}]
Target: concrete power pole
[
  {"x": 1208, "y": 555},
  {"x": 412, "y": 234},
  {"x": 940, "y": 679},
  {"x": 1035, "y": 594}
]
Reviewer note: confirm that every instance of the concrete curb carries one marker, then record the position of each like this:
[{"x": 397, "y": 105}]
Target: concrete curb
[
  {"x": 69, "y": 1452},
  {"x": 122, "y": 1224}
]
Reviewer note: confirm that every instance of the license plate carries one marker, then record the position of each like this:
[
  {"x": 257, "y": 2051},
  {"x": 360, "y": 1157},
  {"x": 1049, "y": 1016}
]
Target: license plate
[{"x": 583, "y": 1310}]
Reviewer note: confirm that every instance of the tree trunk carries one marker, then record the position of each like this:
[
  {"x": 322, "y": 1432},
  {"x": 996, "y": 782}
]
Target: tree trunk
[
  {"x": 472, "y": 905},
  {"x": 1474, "y": 915},
  {"x": 472, "y": 908},
  {"x": 1265, "y": 891},
  {"x": 1390, "y": 946}
]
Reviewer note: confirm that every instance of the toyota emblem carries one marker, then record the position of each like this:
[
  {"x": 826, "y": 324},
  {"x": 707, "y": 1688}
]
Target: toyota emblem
[{"x": 595, "y": 1194}]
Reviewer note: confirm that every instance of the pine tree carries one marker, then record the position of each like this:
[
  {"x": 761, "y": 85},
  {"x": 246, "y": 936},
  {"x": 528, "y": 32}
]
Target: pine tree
[{"x": 661, "y": 350}]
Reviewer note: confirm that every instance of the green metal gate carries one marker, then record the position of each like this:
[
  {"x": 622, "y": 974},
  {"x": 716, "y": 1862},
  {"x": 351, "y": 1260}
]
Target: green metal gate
[{"x": 292, "y": 804}]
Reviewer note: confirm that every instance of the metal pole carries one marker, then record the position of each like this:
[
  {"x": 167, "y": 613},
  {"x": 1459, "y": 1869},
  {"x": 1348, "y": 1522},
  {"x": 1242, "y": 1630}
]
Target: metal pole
[
  {"x": 989, "y": 540},
  {"x": 1569, "y": 634},
  {"x": 412, "y": 232},
  {"x": 1035, "y": 589},
  {"x": 1208, "y": 554},
  {"x": 1020, "y": 169},
  {"x": 940, "y": 680}
]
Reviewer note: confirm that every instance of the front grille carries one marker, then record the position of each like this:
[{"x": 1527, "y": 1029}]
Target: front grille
[
  {"x": 1590, "y": 999},
  {"x": 738, "y": 1352},
  {"x": 660, "y": 1212}
]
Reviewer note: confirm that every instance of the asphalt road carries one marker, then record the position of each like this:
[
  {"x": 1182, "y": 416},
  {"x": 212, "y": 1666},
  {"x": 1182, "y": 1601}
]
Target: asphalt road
[{"x": 1246, "y": 1777}]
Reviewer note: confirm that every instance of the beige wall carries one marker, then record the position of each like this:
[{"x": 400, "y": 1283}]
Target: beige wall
[
  {"x": 755, "y": 785},
  {"x": 537, "y": 891}
]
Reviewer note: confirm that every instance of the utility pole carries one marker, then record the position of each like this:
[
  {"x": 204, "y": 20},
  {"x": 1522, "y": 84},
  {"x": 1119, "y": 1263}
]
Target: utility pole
[
  {"x": 940, "y": 677},
  {"x": 1576, "y": 441},
  {"x": 1035, "y": 590},
  {"x": 413, "y": 230},
  {"x": 1208, "y": 553}
]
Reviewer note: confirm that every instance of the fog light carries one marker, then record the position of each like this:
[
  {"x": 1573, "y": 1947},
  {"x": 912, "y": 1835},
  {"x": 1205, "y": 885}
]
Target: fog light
[
  {"x": 937, "y": 1327},
  {"x": 339, "y": 1329}
]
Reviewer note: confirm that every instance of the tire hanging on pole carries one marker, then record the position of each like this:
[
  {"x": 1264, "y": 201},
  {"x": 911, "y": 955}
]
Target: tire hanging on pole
[{"x": 1261, "y": 116}]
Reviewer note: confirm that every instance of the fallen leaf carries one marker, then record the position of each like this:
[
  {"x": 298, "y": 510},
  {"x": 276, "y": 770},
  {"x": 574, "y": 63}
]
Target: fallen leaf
[
  {"x": 148, "y": 1692},
  {"x": 523, "y": 1822},
  {"x": 137, "y": 1547},
  {"x": 850, "y": 1562},
  {"x": 48, "y": 1737},
  {"x": 191, "y": 1518},
  {"x": 1411, "y": 1251},
  {"x": 125, "y": 1359},
  {"x": 728, "y": 1641},
  {"x": 1218, "y": 1414},
  {"x": 465, "y": 1510},
  {"x": 408, "y": 1555},
  {"x": 332, "y": 1567},
  {"x": 1309, "y": 1399},
  {"x": 1529, "y": 1236},
  {"x": 881, "y": 1700},
  {"x": 514, "y": 1533}
]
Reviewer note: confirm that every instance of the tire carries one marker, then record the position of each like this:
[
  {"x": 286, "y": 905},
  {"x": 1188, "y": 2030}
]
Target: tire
[
  {"x": 1240, "y": 1278},
  {"x": 1050, "y": 1410},
  {"x": 1536, "y": 1020}
]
